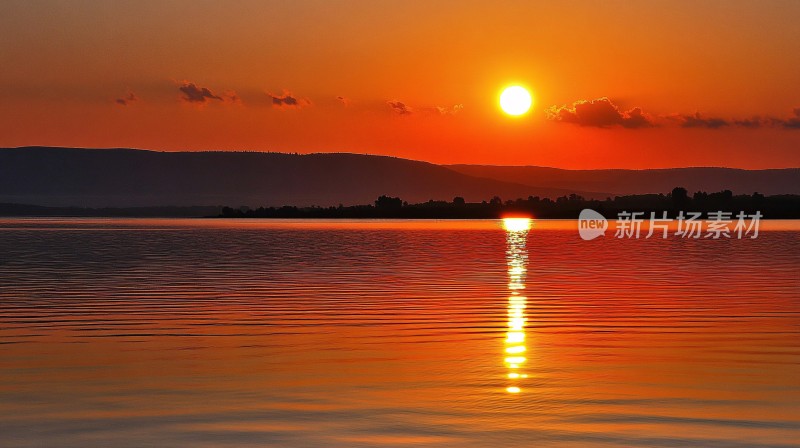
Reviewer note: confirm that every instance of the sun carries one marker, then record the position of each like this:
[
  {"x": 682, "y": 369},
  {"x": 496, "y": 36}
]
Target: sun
[
  {"x": 516, "y": 224},
  {"x": 515, "y": 100}
]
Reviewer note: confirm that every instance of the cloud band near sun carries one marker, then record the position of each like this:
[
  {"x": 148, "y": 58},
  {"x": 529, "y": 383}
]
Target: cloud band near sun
[
  {"x": 402, "y": 108},
  {"x": 603, "y": 113},
  {"x": 699, "y": 121}
]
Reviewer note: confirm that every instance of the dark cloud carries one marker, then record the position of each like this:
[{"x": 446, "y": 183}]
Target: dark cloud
[
  {"x": 288, "y": 100},
  {"x": 400, "y": 108},
  {"x": 792, "y": 122},
  {"x": 698, "y": 121},
  {"x": 756, "y": 122},
  {"x": 601, "y": 113},
  {"x": 194, "y": 94},
  {"x": 285, "y": 100},
  {"x": 636, "y": 118},
  {"x": 752, "y": 123},
  {"x": 127, "y": 99}
]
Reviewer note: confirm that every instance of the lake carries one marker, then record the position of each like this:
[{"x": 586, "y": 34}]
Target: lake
[{"x": 209, "y": 333}]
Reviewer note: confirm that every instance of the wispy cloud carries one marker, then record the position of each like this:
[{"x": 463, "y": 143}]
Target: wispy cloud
[
  {"x": 402, "y": 108},
  {"x": 696, "y": 120},
  {"x": 752, "y": 123},
  {"x": 232, "y": 97},
  {"x": 399, "y": 107},
  {"x": 448, "y": 110},
  {"x": 792, "y": 122},
  {"x": 127, "y": 100}
]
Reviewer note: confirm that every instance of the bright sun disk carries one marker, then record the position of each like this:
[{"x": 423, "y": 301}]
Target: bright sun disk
[
  {"x": 513, "y": 224},
  {"x": 515, "y": 100}
]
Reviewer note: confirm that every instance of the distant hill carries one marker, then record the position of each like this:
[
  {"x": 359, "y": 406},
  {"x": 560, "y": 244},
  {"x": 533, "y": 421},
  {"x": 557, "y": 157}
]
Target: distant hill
[
  {"x": 139, "y": 178},
  {"x": 626, "y": 182}
]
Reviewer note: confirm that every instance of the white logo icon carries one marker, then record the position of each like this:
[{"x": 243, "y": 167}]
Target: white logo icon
[{"x": 591, "y": 224}]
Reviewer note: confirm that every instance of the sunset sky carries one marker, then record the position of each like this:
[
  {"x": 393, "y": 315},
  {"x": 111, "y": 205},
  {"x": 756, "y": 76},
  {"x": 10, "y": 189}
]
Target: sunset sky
[{"x": 615, "y": 84}]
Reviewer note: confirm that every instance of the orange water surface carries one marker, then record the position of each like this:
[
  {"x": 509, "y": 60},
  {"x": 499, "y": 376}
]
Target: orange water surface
[{"x": 209, "y": 333}]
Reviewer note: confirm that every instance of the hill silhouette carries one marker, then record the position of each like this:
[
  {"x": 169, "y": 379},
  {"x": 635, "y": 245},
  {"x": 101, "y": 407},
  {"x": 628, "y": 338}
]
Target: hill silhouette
[
  {"x": 66, "y": 177},
  {"x": 136, "y": 178},
  {"x": 627, "y": 182}
]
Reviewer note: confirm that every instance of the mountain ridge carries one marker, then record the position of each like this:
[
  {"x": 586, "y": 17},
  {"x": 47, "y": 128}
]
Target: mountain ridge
[
  {"x": 125, "y": 177},
  {"x": 128, "y": 177},
  {"x": 650, "y": 180}
]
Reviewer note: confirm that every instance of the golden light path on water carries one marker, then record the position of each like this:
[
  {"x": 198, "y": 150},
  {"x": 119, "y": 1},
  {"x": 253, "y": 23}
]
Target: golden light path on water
[{"x": 517, "y": 260}]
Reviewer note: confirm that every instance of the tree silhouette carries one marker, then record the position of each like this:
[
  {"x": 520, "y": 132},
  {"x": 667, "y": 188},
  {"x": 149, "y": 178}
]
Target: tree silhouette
[
  {"x": 568, "y": 206},
  {"x": 388, "y": 203},
  {"x": 680, "y": 198}
]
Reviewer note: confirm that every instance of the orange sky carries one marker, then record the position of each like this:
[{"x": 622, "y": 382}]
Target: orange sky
[{"x": 65, "y": 65}]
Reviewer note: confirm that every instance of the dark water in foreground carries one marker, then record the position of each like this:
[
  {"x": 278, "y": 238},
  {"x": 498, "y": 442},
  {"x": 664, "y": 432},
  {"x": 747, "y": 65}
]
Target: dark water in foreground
[{"x": 209, "y": 333}]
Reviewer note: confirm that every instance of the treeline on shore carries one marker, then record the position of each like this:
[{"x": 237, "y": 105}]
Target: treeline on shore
[
  {"x": 770, "y": 207},
  {"x": 9, "y": 209}
]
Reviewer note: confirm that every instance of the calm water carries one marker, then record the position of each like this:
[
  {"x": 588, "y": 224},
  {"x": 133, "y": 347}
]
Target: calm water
[{"x": 215, "y": 333}]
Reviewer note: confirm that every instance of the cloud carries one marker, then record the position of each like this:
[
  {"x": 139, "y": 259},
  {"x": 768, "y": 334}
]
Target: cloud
[
  {"x": 601, "y": 113},
  {"x": 792, "y": 122},
  {"x": 288, "y": 100},
  {"x": 698, "y": 121},
  {"x": 451, "y": 110},
  {"x": 126, "y": 100},
  {"x": 399, "y": 107},
  {"x": 756, "y": 122},
  {"x": 231, "y": 97},
  {"x": 194, "y": 94},
  {"x": 636, "y": 118},
  {"x": 752, "y": 123},
  {"x": 402, "y": 108}
]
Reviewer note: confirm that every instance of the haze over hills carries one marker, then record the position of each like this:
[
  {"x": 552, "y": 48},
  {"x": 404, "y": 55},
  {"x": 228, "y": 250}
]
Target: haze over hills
[
  {"x": 129, "y": 178},
  {"x": 625, "y": 182}
]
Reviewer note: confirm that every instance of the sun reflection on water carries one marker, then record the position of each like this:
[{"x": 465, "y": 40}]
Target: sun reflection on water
[{"x": 517, "y": 259}]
